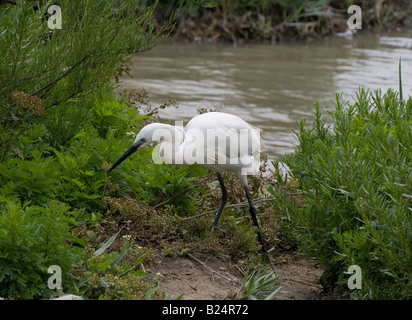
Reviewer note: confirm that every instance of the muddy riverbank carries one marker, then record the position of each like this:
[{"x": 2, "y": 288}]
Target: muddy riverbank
[{"x": 273, "y": 21}]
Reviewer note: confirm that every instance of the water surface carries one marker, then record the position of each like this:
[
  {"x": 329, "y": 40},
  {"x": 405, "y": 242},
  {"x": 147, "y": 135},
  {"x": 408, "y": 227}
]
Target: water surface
[{"x": 270, "y": 86}]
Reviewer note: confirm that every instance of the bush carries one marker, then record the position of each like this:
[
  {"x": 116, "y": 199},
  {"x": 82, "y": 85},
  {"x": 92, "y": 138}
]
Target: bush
[
  {"x": 33, "y": 238},
  {"x": 59, "y": 122},
  {"x": 106, "y": 276},
  {"x": 42, "y": 195},
  {"x": 74, "y": 174},
  {"x": 356, "y": 176},
  {"x": 53, "y": 76}
]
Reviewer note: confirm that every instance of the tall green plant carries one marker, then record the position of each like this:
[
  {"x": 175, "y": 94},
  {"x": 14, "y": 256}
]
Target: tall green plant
[
  {"x": 56, "y": 74},
  {"x": 356, "y": 178}
]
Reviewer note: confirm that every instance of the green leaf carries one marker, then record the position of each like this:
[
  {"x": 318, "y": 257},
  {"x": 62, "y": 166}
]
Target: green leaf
[
  {"x": 150, "y": 292},
  {"x": 107, "y": 244},
  {"x": 120, "y": 256},
  {"x": 400, "y": 79},
  {"x": 104, "y": 265}
]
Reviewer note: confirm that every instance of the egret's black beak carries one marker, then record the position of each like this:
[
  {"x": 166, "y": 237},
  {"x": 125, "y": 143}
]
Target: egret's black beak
[{"x": 129, "y": 152}]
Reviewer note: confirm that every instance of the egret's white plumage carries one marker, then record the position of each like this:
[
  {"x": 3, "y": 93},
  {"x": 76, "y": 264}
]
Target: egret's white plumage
[{"x": 220, "y": 141}]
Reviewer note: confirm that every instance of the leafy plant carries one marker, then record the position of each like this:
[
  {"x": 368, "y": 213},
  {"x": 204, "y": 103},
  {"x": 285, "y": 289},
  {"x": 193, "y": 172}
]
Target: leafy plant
[
  {"x": 259, "y": 284},
  {"x": 104, "y": 276},
  {"x": 34, "y": 181},
  {"x": 32, "y": 238},
  {"x": 61, "y": 125},
  {"x": 356, "y": 179},
  {"x": 54, "y": 76}
]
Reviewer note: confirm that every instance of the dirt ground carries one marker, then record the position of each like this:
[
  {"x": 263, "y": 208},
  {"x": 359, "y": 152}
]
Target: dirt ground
[
  {"x": 195, "y": 270},
  {"x": 203, "y": 277}
]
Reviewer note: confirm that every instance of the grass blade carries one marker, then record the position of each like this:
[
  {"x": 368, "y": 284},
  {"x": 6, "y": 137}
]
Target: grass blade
[
  {"x": 120, "y": 256},
  {"x": 400, "y": 79},
  {"x": 107, "y": 244}
]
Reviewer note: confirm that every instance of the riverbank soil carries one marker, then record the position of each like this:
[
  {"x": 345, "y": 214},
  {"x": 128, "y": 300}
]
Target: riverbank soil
[
  {"x": 190, "y": 262},
  {"x": 272, "y": 21},
  {"x": 205, "y": 277}
]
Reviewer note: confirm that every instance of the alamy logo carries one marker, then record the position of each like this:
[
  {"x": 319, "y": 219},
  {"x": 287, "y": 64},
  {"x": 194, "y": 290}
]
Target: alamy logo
[
  {"x": 55, "y": 20},
  {"x": 355, "y": 20},
  {"x": 55, "y": 281},
  {"x": 355, "y": 280}
]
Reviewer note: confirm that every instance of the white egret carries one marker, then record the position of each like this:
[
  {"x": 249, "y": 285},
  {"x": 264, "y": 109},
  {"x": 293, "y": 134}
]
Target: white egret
[{"x": 220, "y": 141}]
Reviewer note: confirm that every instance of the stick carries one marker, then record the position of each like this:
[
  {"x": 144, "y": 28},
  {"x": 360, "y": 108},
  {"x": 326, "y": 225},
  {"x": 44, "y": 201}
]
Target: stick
[
  {"x": 210, "y": 269},
  {"x": 52, "y": 82},
  {"x": 236, "y": 205},
  {"x": 242, "y": 204}
]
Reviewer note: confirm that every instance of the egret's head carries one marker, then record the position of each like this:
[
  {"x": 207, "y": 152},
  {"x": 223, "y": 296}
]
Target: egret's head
[
  {"x": 149, "y": 134},
  {"x": 145, "y": 136},
  {"x": 143, "y": 139}
]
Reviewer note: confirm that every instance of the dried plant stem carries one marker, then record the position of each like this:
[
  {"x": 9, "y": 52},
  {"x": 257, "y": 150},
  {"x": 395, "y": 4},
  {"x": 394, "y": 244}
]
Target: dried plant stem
[
  {"x": 238, "y": 205},
  {"x": 211, "y": 270}
]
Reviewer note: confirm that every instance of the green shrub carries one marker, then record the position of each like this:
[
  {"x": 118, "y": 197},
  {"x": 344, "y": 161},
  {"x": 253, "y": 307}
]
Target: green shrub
[
  {"x": 33, "y": 238},
  {"x": 60, "y": 127},
  {"x": 53, "y": 76},
  {"x": 106, "y": 276},
  {"x": 76, "y": 176},
  {"x": 260, "y": 284},
  {"x": 356, "y": 178},
  {"x": 32, "y": 180}
]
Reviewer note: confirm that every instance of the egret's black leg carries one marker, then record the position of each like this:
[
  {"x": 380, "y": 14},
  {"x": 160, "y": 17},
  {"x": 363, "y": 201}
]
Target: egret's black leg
[
  {"x": 254, "y": 218},
  {"x": 224, "y": 199}
]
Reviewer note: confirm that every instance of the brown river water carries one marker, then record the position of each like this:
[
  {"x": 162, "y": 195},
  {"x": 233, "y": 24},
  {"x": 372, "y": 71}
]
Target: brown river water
[{"x": 270, "y": 86}]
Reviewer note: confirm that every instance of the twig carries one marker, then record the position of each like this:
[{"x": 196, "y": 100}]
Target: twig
[
  {"x": 211, "y": 270},
  {"x": 236, "y": 205},
  {"x": 138, "y": 204},
  {"x": 52, "y": 82},
  {"x": 61, "y": 76},
  {"x": 36, "y": 76},
  {"x": 241, "y": 204}
]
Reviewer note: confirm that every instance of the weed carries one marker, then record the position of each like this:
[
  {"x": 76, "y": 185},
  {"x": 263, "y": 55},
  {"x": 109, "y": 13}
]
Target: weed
[
  {"x": 103, "y": 276},
  {"x": 260, "y": 284},
  {"x": 355, "y": 176},
  {"x": 32, "y": 238}
]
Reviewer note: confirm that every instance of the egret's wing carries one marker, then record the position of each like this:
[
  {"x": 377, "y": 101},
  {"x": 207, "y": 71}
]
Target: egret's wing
[{"x": 228, "y": 141}]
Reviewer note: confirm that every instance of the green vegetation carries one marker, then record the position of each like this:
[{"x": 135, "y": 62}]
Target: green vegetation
[
  {"x": 57, "y": 75},
  {"x": 61, "y": 124},
  {"x": 107, "y": 276},
  {"x": 32, "y": 239},
  {"x": 355, "y": 176},
  {"x": 260, "y": 284}
]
